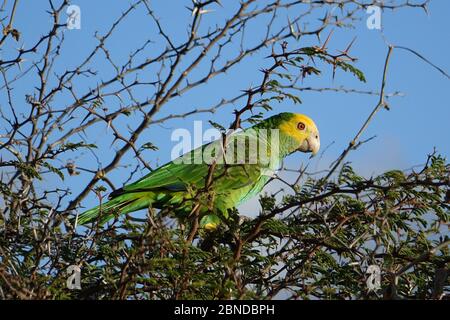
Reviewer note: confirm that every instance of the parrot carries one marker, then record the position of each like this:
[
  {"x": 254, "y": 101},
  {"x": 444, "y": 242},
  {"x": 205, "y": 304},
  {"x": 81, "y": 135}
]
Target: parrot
[{"x": 186, "y": 185}]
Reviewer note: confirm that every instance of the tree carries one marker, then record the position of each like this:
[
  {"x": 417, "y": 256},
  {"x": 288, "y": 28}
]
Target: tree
[{"x": 318, "y": 241}]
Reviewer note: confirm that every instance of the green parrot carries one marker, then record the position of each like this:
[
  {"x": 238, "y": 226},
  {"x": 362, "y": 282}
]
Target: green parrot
[{"x": 215, "y": 177}]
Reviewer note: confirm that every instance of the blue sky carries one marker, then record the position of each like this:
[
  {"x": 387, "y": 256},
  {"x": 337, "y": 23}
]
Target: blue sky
[{"x": 416, "y": 122}]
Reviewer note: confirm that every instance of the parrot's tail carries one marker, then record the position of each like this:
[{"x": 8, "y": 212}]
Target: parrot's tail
[{"x": 124, "y": 203}]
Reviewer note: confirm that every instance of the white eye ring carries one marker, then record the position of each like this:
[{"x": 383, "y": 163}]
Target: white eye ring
[{"x": 301, "y": 126}]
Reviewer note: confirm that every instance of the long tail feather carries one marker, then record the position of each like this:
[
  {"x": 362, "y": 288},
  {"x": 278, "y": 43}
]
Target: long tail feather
[{"x": 121, "y": 204}]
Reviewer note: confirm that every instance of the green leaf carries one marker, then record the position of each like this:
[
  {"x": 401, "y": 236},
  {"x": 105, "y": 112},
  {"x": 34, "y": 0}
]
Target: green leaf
[
  {"x": 217, "y": 126},
  {"x": 148, "y": 146},
  {"x": 54, "y": 170},
  {"x": 349, "y": 68}
]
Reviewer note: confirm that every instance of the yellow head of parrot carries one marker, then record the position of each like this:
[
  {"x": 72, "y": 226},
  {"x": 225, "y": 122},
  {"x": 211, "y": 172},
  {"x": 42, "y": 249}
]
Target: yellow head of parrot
[{"x": 303, "y": 129}]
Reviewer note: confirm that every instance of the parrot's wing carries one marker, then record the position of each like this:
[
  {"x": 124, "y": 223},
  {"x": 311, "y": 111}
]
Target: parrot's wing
[
  {"x": 172, "y": 176},
  {"x": 179, "y": 177},
  {"x": 184, "y": 172}
]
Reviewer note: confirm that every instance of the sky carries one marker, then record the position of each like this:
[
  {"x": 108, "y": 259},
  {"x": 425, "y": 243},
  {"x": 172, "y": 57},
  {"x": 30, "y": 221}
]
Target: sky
[{"x": 416, "y": 123}]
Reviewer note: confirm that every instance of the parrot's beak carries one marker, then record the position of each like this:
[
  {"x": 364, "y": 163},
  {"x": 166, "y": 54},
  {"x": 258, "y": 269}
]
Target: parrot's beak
[
  {"x": 311, "y": 144},
  {"x": 314, "y": 144}
]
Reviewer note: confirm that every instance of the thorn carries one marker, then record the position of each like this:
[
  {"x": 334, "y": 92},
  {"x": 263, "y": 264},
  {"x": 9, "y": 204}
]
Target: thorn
[
  {"x": 193, "y": 10},
  {"x": 318, "y": 36},
  {"x": 299, "y": 32},
  {"x": 85, "y": 118},
  {"x": 325, "y": 18},
  {"x": 292, "y": 28},
  {"x": 204, "y": 11},
  {"x": 247, "y": 91},
  {"x": 349, "y": 46},
  {"x": 324, "y": 46}
]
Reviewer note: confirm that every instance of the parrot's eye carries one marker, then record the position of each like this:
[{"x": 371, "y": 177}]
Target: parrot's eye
[{"x": 301, "y": 126}]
